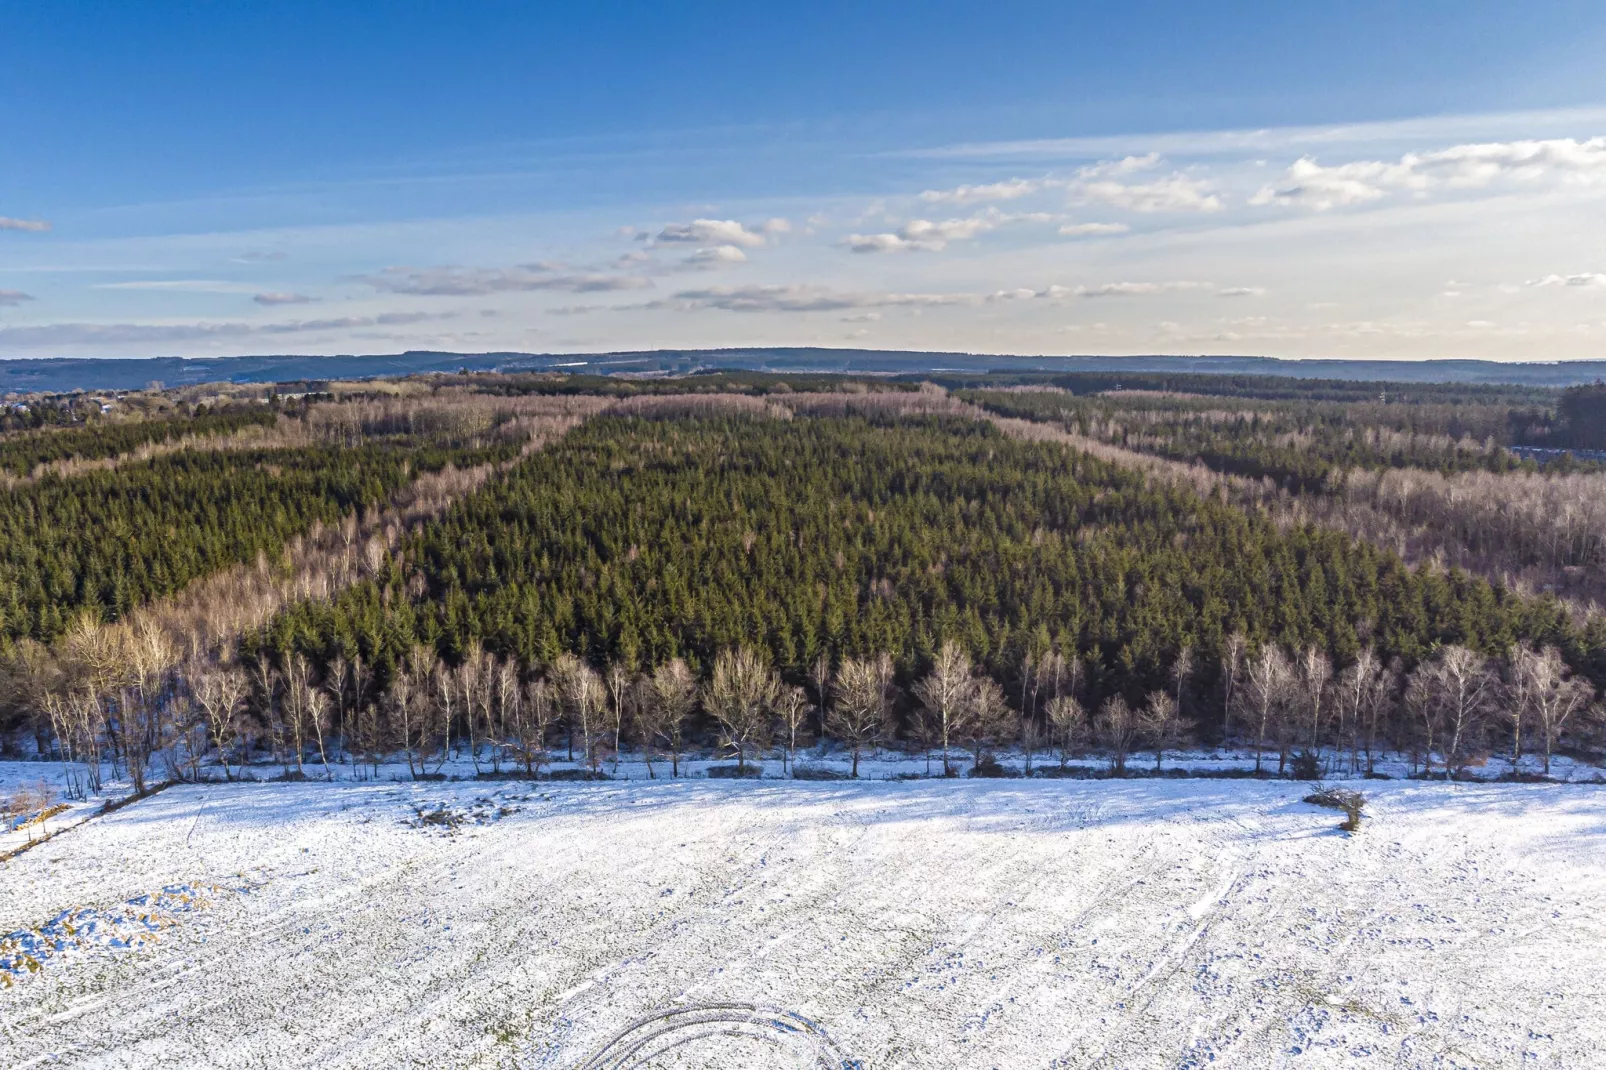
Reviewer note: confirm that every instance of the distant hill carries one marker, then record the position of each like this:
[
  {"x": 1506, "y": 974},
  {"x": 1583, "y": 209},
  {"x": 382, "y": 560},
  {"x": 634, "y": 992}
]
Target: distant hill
[{"x": 60, "y": 375}]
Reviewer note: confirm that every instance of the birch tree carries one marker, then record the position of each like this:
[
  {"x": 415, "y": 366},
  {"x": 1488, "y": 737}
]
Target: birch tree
[
  {"x": 863, "y": 693},
  {"x": 944, "y": 695}
]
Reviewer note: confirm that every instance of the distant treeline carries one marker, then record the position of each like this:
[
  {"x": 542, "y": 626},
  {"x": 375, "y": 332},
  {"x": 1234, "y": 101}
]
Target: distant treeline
[{"x": 1265, "y": 387}]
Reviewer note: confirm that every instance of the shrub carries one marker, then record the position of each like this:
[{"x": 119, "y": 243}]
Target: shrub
[
  {"x": 989, "y": 767},
  {"x": 817, "y": 772},
  {"x": 1350, "y": 802},
  {"x": 1307, "y": 765},
  {"x": 734, "y": 772}
]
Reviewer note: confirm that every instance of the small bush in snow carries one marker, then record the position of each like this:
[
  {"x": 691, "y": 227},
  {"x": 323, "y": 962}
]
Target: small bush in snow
[
  {"x": 1350, "y": 802},
  {"x": 989, "y": 767},
  {"x": 1307, "y": 765},
  {"x": 817, "y": 772},
  {"x": 734, "y": 772}
]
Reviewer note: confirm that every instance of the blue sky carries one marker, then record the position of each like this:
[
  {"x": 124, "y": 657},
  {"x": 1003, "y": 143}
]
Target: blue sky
[{"x": 1364, "y": 179}]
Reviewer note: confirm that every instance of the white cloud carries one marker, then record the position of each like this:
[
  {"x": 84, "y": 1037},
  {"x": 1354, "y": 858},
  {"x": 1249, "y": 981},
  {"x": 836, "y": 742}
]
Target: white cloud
[
  {"x": 1311, "y": 185},
  {"x": 1125, "y": 166},
  {"x": 1175, "y": 193},
  {"x": 1241, "y": 291},
  {"x": 1007, "y": 190},
  {"x": 257, "y": 256},
  {"x": 716, "y": 256},
  {"x": 1587, "y": 278},
  {"x": 711, "y": 232},
  {"x": 33, "y": 226},
  {"x": 1082, "y": 230},
  {"x": 1128, "y": 289},
  {"x": 920, "y": 235},
  {"x": 1057, "y": 292},
  {"x": 458, "y": 282},
  {"x": 808, "y": 299},
  {"x": 1014, "y": 188},
  {"x": 279, "y": 297},
  {"x": 13, "y": 298}
]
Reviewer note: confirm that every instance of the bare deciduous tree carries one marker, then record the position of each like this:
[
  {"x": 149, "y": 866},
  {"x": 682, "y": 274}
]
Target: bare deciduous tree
[
  {"x": 1161, "y": 722},
  {"x": 741, "y": 697},
  {"x": 1462, "y": 689},
  {"x": 1315, "y": 674},
  {"x": 1552, "y": 696},
  {"x": 792, "y": 707},
  {"x": 670, "y": 698},
  {"x": 1116, "y": 726},
  {"x": 1232, "y": 666},
  {"x": 221, "y": 695},
  {"x": 1067, "y": 720},
  {"x": 409, "y": 697},
  {"x": 986, "y": 718},
  {"x": 1360, "y": 695},
  {"x": 583, "y": 699},
  {"x": 860, "y": 715},
  {"x": 620, "y": 680},
  {"x": 945, "y": 698},
  {"x": 539, "y": 712},
  {"x": 1267, "y": 681}
]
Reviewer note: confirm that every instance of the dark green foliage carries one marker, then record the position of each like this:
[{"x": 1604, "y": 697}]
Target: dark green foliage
[
  {"x": 108, "y": 540},
  {"x": 645, "y": 540},
  {"x": 21, "y": 453},
  {"x": 1306, "y": 765},
  {"x": 1583, "y": 415}
]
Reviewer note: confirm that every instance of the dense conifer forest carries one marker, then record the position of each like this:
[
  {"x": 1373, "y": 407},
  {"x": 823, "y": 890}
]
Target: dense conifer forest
[{"x": 745, "y": 560}]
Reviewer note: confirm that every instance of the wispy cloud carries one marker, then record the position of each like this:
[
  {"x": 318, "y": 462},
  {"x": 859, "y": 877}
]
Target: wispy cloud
[
  {"x": 1008, "y": 190},
  {"x": 1176, "y": 193},
  {"x": 126, "y": 334},
  {"x": 33, "y": 226},
  {"x": 187, "y": 286},
  {"x": 461, "y": 282},
  {"x": 12, "y": 298},
  {"x": 809, "y": 299},
  {"x": 277, "y": 297},
  {"x": 1083, "y": 230},
  {"x": 1309, "y": 184},
  {"x": 1583, "y": 279}
]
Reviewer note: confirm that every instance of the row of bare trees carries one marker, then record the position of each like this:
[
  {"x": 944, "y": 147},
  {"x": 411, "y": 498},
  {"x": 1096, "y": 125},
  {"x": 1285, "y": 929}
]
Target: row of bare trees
[
  {"x": 126, "y": 696},
  {"x": 1454, "y": 706},
  {"x": 1530, "y": 530}
]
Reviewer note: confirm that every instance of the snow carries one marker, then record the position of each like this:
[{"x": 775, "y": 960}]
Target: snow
[{"x": 931, "y": 924}]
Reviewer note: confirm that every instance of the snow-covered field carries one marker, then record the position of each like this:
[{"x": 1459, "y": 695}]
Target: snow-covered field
[{"x": 928, "y": 924}]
